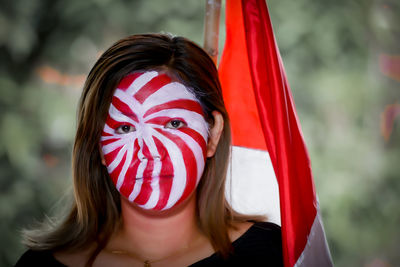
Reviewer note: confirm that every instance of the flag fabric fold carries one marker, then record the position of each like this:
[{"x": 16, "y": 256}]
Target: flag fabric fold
[{"x": 263, "y": 116}]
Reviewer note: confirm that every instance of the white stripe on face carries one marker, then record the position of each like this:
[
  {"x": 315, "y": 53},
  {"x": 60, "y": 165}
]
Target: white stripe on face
[
  {"x": 197, "y": 151},
  {"x": 179, "y": 181},
  {"x": 139, "y": 82},
  {"x": 111, "y": 167},
  {"x": 169, "y": 92},
  {"x": 128, "y": 160},
  {"x": 154, "y": 175}
]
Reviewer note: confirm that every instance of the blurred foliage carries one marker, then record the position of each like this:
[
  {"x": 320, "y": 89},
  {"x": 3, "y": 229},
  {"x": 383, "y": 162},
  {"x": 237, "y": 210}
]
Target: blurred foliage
[{"x": 332, "y": 51}]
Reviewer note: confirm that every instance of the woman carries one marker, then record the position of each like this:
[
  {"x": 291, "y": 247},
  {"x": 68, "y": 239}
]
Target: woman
[{"x": 150, "y": 160}]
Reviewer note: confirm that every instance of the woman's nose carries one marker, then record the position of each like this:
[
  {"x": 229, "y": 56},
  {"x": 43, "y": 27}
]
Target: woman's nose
[{"x": 150, "y": 150}]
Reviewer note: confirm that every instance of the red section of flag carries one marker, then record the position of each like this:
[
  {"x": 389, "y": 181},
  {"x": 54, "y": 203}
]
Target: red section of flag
[
  {"x": 251, "y": 52},
  {"x": 236, "y": 83}
]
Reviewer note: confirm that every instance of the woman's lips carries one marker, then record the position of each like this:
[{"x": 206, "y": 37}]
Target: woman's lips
[{"x": 164, "y": 176}]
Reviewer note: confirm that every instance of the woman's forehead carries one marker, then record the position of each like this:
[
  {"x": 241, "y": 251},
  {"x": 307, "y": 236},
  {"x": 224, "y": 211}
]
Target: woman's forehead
[
  {"x": 153, "y": 85},
  {"x": 154, "y": 90}
]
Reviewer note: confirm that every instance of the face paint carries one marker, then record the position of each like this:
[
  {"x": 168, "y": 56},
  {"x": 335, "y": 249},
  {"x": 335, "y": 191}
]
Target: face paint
[{"x": 154, "y": 140}]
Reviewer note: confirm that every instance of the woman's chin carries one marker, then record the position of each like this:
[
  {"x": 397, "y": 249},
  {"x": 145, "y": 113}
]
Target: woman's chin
[{"x": 191, "y": 200}]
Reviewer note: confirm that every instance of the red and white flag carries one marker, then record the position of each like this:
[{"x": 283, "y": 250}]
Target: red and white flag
[{"x": 263, "y": 117}]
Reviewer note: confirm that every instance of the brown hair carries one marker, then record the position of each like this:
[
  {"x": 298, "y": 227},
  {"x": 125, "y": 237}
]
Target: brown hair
[{"x": 96, "y": 210}]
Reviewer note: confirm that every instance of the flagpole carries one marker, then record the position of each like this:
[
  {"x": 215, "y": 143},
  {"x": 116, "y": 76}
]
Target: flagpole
[{"x": 211, "y": 28}]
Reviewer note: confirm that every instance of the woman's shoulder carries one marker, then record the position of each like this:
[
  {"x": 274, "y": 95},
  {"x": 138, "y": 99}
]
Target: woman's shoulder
[
  {"x": 259, "y": 245},
  {"x": 262, "y": 239},
  {"x": 264, "y": 229},
  {"x": 260, "y": 235},
  {"x": 49, "y": 258},
  {"x": 38, "y": 258}
]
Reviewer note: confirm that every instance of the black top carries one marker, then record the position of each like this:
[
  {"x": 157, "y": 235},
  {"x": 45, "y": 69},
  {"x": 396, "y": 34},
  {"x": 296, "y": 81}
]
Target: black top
[{"x": 261, "y": 245}]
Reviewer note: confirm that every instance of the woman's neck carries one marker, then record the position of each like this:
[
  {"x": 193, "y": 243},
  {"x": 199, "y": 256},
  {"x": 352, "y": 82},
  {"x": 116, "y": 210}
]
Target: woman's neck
[{"x": 156, "y": 235}]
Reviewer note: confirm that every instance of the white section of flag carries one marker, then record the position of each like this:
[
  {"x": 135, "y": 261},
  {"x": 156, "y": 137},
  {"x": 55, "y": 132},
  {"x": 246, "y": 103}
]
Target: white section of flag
[
  {"x": 251, "y": 186},
  {"x": 316, "y": 252}
]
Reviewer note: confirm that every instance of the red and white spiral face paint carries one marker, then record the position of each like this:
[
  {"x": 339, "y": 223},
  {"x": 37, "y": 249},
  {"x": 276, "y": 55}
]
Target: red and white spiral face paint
[{"x": 154, "y": 140}]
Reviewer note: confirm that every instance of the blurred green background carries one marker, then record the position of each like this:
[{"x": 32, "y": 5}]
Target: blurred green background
[{"x": 343, "y": 63}]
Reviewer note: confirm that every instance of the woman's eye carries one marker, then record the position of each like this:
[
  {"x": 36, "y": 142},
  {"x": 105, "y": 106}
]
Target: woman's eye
[
  {"x": 124, "y": 129},
  {"x": 175, "y": 124}
]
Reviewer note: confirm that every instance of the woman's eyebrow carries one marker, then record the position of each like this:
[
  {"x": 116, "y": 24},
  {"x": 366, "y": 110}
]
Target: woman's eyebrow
[
  {"x": 129, "y": 114},
  {"x": 186, "y": 104},
  {"x": 124, "y": 108}
]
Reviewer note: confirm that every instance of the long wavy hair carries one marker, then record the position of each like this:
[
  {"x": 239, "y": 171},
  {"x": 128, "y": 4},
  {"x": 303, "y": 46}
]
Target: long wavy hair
[{"x": 96, "y": 209}]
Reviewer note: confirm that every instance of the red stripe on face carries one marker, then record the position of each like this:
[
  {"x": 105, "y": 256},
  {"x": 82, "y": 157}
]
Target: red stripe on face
[
  {"x": 130, "y": 176},
  {"x": 146, "y": 189},
  {"x": 190, "y": 164},
  {"x": 128, "y": 80},
  {"x": 109, "y": 141},
  {"x": 163, "y": 120},
  {"x": 109, "y": 158},
  {"x": 148, "y": 172},
  {"x": 106, "y": 134},
  {"x": 113, "y": 124},
  {"x": 197, "y": 137},
  {"x": 185, "y": 104},
  {"x": 151, "y": 87},
  {"x": 166, "y": 168},
  {"x": 145, "y": 193},
  {"x": 124, "y": 108},
  {"x": 146, "y": 153},
  {"x": 114, "y": 175}
]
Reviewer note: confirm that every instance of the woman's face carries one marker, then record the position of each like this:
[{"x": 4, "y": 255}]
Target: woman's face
[{"x": 154, "y": 140}]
